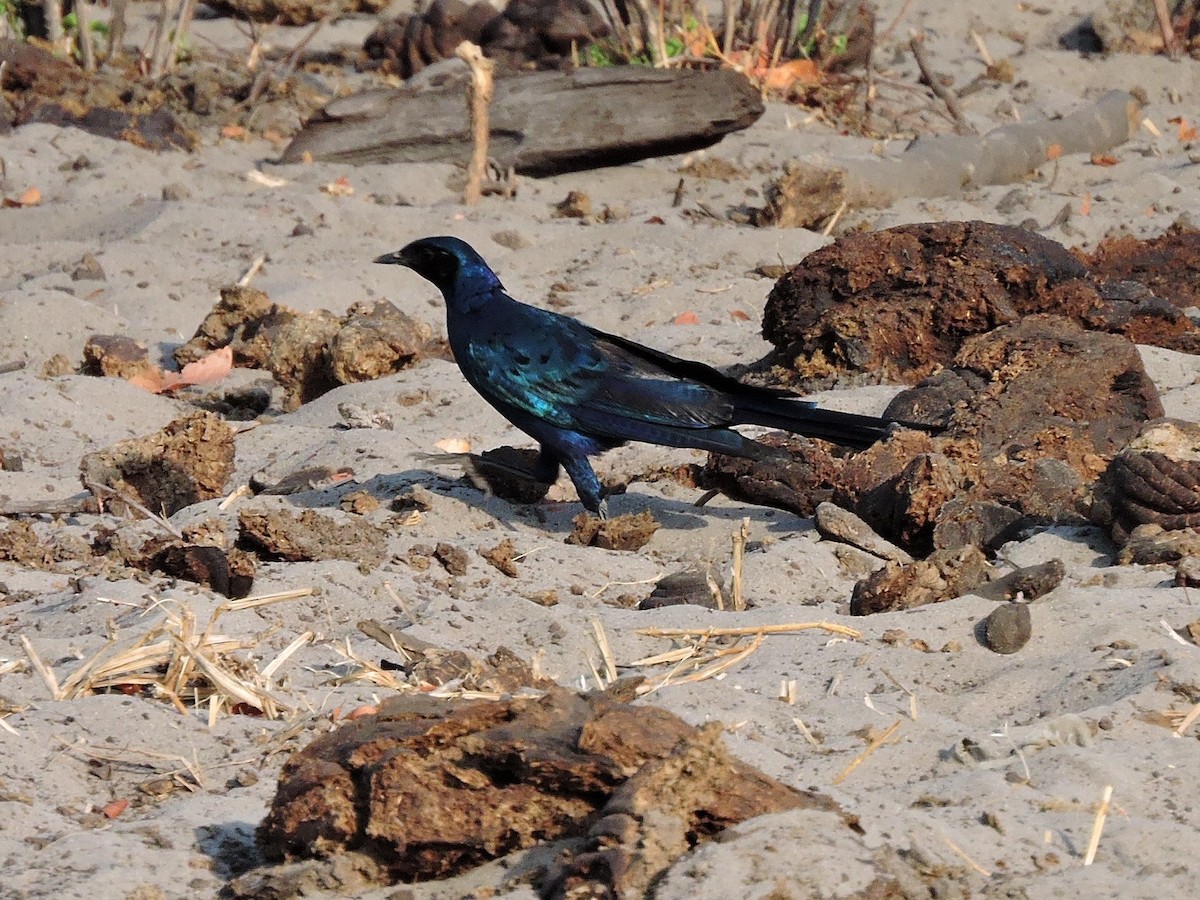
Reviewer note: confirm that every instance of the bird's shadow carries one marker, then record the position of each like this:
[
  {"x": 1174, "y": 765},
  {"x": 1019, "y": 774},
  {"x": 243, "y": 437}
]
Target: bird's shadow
[{"x": 547, "y": 515}]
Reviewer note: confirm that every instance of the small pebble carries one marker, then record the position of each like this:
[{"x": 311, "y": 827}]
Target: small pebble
[{"x": 1008, "y": 628}]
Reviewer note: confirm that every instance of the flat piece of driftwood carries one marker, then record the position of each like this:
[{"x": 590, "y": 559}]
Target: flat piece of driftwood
[{"x": 541, "y": 123}]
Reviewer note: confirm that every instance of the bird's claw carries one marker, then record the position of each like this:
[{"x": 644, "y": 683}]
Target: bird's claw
[{"x": 602, "y": 510}]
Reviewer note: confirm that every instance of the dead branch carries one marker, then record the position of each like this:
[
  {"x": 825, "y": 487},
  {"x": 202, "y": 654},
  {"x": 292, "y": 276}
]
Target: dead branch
[{"x": 943, "y": 92}]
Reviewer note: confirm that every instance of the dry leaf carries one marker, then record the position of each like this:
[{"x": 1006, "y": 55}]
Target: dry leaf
[
  {"x": 738, "y": 316},
  {"x": 1085, "y": 208},
  {"x": 1103, "y": 159},
  {"x": 339, "y": 187},
  {"x": 1186, "y": 132},
  {"x": 233, "y": 132},
  {"x": 1054, "y": 151},
  {"x": 782, "y": 77},
  {"x": 454, "y": 445},
  {"x": 210, "y": 368},
  {"x": 30, "y": 197},
  {"x": 686, "y": 318},
  {"x": 306, "y": 158},
  {"x": 151, "y": 380},
  {"x": 114, "y": 808}
]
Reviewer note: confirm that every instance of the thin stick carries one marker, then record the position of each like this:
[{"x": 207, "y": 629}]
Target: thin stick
[
  {"x": 871, "y": 748},
  {"x": 947, "y": 96},
  {"x": 1188, "y": 720},
  {"x": 266, "y": 599},
  {"x": 252, "y": 271},
  {"x": 808, "y": 735},
  {"x": 1165, "y": 26},
  {"x": 162, "y": 33},
  {"x": 1098, "y": 825},
  {"x": 747, "y": 630},
  {"x": 963, "y": 853},
  {"x": 739, "y": 556},
  {"x": 41, "y": 668},
  {"x": 479, "y": 97},
  {"x": 610, "y": 664},
  {"x": 833, "y": 220}
]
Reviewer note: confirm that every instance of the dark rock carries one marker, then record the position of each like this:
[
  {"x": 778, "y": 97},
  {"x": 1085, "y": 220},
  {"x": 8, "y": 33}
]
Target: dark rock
[
  {"x": 455, "y": 559},
  {"x": 1027, "y": 583},
  {"x": 310, "y": 535},
  {"x": 1008, "y": 628},
  {"x": 988, "y": 524},
  {"x": 206, "y": 565}
]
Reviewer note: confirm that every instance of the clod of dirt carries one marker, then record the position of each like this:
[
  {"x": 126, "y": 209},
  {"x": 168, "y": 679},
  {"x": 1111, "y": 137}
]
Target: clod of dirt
[
  {"x": 186, "y": 462},
  {"x": 453, "y": 558},
  {"x": 1151, "y": 545},
  {"x": 308, "y": 353},
  {"x": 478, "y": 780},
  {"x": 115, "y": 356},
  {"x": 1169, "y": 264},
  {"x": 665, "y": 809},
  {"x": 1035, "y": 410},
  {"x": 628, "y": 532},
  {"x": 311, "y": 535},
  {"x": 1008, "y": 628},
  {"x": 1155, "y": 480},
  {"x": 502, "y": 556},
  {"x": 804, "y": 197},
  {"x": 943, "y": 576},
  {"x": 228, "y": 573},
  {"x": 900, "y": 303}
]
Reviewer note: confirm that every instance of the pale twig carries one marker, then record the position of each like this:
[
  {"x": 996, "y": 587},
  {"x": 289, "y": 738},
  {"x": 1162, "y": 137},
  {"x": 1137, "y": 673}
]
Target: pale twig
[
  {"x": 947, "y": 96},
  {"x": 871, "y": 748},
  {"x": 739, "y": 555},
  {"x": 610, "y": 664},
  {"x": 1098, "y": 825},
  {"x": 1165, "y": 26}
]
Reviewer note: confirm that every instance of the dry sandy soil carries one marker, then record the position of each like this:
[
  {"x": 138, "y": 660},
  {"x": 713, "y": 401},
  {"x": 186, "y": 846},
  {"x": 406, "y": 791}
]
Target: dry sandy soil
[{"x": 1102, "y": 668}]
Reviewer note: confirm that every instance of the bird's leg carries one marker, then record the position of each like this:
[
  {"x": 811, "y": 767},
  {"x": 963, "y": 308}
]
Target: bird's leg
[{"x": 586, "y": 484}]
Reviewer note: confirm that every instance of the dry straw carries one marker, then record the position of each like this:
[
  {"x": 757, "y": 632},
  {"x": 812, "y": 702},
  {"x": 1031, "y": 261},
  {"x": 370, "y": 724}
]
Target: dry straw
[{"x": 177, "y": 661}]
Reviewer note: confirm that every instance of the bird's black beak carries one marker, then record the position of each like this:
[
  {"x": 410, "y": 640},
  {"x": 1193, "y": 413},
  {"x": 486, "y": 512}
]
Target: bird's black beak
[{"x": 396, "y": 259}]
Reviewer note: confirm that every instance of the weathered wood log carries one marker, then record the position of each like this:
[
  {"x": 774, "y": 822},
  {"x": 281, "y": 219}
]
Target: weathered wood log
[{"x": 541, "y": 123}]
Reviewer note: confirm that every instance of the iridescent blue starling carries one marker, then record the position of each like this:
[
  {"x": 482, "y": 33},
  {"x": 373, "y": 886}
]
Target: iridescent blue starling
[{"x": 578, "y": 391}]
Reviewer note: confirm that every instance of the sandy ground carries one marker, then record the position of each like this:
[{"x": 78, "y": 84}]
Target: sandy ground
[{"x": 1101, "y": 665}]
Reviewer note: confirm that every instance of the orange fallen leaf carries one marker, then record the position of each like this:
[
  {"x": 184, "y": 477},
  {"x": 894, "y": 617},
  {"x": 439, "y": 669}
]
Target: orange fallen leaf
[
  {"x": 150, "y": 380},
  {"x": 362, "y": 711},
  {"x": 339, "y": 187},
  {"x": 1103, "y": 159},
  {"x": 686, "y": 318},
  {"x": 1085, "y": 208},
  {"x": 782, "y": 77},
  {"x": 210, "y": 368},
  {"x": 738, "y": 316},
  {"x": 233, "y": 132},
  {"x": 114, "y": 808},
  {"x": 1187, "y": 132},
  {"x": 30, "y": 197},
  {"x": 1054, "y": 151},
  {"x": 453, "y": 445}
]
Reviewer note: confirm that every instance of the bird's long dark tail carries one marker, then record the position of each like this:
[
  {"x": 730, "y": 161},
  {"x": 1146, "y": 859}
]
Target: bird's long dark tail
[{"x": 800, "y": 417}]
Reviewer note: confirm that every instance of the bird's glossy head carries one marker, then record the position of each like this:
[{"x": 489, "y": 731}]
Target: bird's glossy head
[{"x": 451, "y": 264}]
